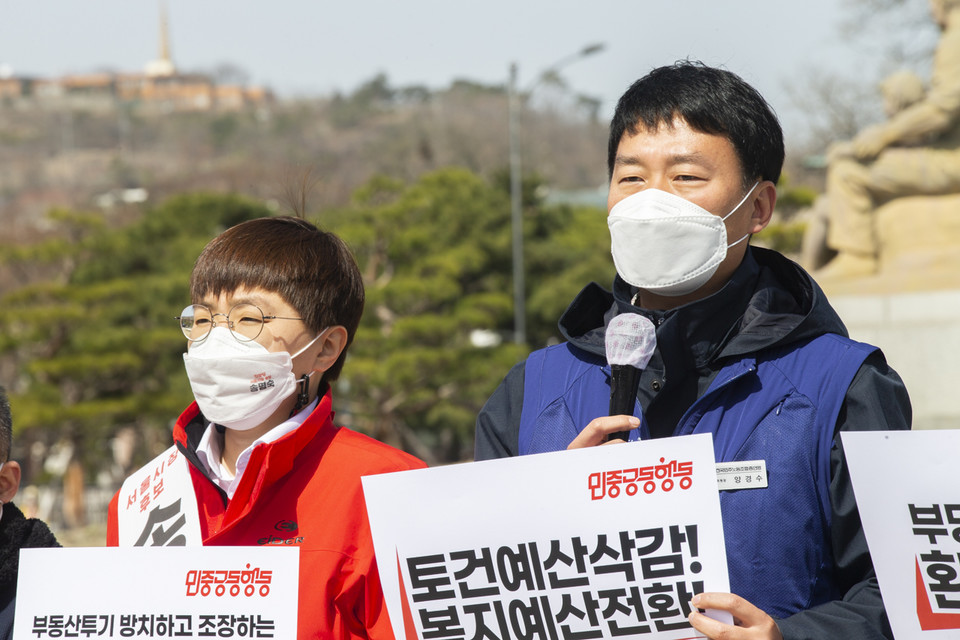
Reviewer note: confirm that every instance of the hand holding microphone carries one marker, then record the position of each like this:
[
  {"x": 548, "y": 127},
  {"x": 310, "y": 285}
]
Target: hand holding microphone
[{"x": 629, "y": 342}]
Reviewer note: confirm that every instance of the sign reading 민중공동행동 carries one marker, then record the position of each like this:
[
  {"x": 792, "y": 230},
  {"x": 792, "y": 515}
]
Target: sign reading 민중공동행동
[
  {"x": 907, "y": 485},
  {"x": 158, "y": 592},
  {"x": 609, "y": 540}
]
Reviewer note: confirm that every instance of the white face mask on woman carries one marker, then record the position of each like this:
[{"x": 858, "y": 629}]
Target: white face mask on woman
[
  {"x": 239, "y": 384},
  {"x": 667, "y": 245}
]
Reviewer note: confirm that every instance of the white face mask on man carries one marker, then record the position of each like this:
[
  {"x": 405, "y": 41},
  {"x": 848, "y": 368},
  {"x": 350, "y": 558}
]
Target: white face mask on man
[
  {"x": 239, "y": 384},
  {"x": 665, "y": 244}
]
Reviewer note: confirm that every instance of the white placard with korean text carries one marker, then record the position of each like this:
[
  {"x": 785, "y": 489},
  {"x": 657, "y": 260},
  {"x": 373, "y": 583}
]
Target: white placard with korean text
[
  {"x": 157, "y": 506},
  {"x": 907, "y": 485},
  {"x": 611, "y": 540},
  {"x": 153, "y": 592}
]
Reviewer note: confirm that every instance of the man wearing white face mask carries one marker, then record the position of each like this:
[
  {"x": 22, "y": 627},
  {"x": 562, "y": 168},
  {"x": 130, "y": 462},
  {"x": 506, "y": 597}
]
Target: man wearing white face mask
[
  {"x": 747, "y": 348},
  {"x": 257, "y": 459}
]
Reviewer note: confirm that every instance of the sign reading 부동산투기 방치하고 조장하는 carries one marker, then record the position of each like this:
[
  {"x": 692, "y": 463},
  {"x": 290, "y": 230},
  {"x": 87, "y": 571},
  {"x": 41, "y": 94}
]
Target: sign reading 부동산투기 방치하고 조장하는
[{"x": 158, "y": 592}]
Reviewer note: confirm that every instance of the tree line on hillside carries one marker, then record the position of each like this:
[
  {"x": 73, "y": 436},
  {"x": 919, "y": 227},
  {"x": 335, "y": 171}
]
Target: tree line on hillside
[
  {"x": 91, "y": 350},
  {"x": 73, "y": 155}
]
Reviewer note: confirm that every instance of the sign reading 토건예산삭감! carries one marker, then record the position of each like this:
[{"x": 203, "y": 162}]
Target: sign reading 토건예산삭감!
[
  {"x": 157, "y": 592},
  {"x": 609, "y": 540}
]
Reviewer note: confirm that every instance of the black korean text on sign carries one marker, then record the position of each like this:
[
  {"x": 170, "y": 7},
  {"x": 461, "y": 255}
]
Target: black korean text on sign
[
  {"x": 153, "y": 626},
  {"x": 940, "y": 525},
  {"x": 626, "y": 584},
  {"x": 162, "y": 526}
]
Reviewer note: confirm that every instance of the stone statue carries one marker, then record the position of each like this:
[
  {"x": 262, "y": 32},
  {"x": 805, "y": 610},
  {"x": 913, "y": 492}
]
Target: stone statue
[{"x": 915, "y": 152}]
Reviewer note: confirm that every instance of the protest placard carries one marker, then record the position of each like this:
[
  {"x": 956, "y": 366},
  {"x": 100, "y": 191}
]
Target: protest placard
[
  {"x": 157, "y": 592},
  {"x": 157, "y": 507},
  {"x": 907, "y": 485},
  {"x": 602, "y": 542}
]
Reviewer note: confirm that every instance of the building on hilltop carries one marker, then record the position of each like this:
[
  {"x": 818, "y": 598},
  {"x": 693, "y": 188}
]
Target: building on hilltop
[
  {"x": 163, "y": 66},
  {"x": 160, "y": 88}
]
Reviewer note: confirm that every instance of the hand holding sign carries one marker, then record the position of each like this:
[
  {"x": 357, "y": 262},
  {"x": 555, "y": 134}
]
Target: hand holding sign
[{"x": 752, "y": 623}]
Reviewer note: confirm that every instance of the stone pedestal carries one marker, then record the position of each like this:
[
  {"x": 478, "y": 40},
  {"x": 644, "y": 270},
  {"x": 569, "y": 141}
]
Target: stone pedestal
[
  {"x": 919, "y": 333},
  {"x": 911, "y": 307},
  {"x": 919, "y": 240}
]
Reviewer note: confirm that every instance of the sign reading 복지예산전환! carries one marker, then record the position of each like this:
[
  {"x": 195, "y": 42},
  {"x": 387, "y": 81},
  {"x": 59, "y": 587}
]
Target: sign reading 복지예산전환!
[
  {"x": 158, "y": 592},
  {"x": 601, "y": 542},
  {"x": 907, "y": 485}
]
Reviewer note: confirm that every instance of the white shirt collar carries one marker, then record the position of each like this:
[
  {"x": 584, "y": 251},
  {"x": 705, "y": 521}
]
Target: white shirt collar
[{"x": 210, "y": 449}]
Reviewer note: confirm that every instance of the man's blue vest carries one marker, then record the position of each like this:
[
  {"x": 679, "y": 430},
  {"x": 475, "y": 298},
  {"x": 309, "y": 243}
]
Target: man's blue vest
[{"x": 779, "y": 405}]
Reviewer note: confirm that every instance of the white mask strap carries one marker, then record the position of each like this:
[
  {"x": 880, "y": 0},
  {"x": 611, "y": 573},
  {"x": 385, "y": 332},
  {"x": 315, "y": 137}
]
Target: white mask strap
[
  {"x": 309, "y": 344},
  {"x": 739, "y": 204},
  {"x": 733, "y": 244},
  {"x": 303, "y": 396}
]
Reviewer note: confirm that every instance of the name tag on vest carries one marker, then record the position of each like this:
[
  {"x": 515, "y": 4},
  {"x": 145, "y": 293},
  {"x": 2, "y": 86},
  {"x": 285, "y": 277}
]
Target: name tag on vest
[
  {"x": 157, "y": 506},
  {"x": 743, "y": 474}
]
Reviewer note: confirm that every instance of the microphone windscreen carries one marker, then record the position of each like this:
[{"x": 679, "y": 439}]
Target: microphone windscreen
[{"x": 630, "y": 340}]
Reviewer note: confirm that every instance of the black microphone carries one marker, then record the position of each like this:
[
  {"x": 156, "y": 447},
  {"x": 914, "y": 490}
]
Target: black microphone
[{"x": 629, "y": 342}]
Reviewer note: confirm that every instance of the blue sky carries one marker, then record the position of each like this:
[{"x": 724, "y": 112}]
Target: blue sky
[{"x": 317, "y": 46}]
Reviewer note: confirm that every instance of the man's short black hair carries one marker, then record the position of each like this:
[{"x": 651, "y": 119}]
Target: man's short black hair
[
  {"x": 6, "y": 426},
  {"x": 710, "y": 100}
]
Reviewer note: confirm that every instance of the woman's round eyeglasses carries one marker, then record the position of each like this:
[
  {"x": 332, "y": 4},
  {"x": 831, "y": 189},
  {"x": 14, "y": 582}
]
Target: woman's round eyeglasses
[{"x": 244, "y": 320}]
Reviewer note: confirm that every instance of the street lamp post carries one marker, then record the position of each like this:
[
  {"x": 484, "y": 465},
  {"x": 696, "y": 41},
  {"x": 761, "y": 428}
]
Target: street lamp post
[
  {"x": 516, "y": 211},
  {"x": 515, "y": 107}
]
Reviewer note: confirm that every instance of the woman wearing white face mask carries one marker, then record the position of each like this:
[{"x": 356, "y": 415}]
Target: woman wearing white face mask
[
  {"x": 240, "y": 385},
  {"x": 257, "y": 456}
]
